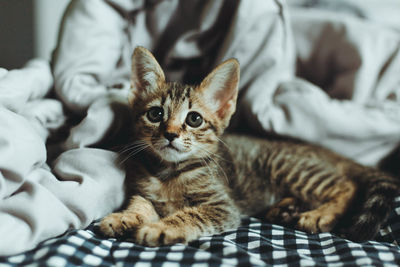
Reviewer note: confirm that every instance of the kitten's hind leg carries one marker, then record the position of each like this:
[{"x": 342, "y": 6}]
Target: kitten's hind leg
[
  {"x": 138, "y": 212},
  {"x": 286, "y": 212},
  {"x": 335, "y": 202}
]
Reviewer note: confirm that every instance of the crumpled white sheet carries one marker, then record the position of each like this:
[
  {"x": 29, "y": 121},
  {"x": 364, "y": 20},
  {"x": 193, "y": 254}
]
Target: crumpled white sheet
[
  {"x": 37, "y": 201},
  {"x": 347, "y": 98},
  {"x": 354, "y": 57}
]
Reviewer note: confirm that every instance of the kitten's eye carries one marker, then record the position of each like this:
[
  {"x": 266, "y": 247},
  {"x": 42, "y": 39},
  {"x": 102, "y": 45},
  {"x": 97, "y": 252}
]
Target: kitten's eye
[
  {"x": 194, "y": 119},
  {"x": 155, "y": 114}
]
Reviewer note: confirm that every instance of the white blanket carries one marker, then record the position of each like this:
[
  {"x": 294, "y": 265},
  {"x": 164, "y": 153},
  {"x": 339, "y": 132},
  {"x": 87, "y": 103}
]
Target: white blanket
[
  {"x": 38, "y": 202},
  {"x": 347, "y": 99}
]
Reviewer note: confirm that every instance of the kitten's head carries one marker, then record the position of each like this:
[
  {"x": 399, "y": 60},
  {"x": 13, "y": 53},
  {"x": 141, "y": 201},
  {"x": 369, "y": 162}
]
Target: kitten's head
[{"x": 175, "y": 121}]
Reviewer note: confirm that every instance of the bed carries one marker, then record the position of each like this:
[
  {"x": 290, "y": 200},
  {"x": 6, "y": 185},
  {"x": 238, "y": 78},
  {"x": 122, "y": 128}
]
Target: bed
[
  {"x": 59, "y": 177},
  {"x": 254, "y": 243}
]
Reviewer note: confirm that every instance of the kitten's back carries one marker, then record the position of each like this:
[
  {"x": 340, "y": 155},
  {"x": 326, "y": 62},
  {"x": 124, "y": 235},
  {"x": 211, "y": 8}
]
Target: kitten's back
[{"x": 267, "y": 171}]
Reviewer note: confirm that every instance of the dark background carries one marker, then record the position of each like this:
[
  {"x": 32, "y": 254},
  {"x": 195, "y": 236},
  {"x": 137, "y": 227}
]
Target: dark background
[{"x": 16, "y": 32}]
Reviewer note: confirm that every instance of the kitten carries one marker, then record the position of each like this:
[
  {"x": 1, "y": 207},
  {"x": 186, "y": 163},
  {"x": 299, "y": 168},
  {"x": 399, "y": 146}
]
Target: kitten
[{"x": 187, "y": 179}]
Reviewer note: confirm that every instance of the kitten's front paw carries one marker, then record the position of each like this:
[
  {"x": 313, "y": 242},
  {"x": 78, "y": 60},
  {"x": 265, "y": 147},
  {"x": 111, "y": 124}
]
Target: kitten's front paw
[
  {"x": 157, "y": 234},
  {"x": 118, "y": 224}
]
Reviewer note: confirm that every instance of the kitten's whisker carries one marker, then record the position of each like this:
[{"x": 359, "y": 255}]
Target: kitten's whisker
[
  {"x": 220, "y": 168},
  {"x": 131, "y": 146},
  {"x": 219, "y": 139},
  {"x": 132, "y": 155},
  {"x": 210, "y": 156},
  {"x": 208, "y": 167},
  {"x": 129, "y": 150},
  {"x": 209, "y": 152},
  {"x": 135, "y": 152}
]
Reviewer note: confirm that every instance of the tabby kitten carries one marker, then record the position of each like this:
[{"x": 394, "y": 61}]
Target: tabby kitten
[{"x": 187, "y": 180}]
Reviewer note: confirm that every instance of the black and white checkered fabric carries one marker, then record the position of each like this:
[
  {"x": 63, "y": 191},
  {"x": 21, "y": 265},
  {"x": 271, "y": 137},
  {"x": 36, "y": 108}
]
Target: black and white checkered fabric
[{"x": 253, "y": 244}]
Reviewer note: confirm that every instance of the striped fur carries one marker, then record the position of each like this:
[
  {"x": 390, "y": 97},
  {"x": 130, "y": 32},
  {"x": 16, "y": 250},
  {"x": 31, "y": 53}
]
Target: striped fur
[{"x": 186, "y": 181}]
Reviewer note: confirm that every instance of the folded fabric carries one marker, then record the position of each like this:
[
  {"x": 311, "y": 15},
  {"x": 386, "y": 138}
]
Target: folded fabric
[
  {"x": 3, "y": 72},
  {"x": 350, "y": 103},
  {"x": 366, "y": 133},
  {"x": 107, "y": 121},
  {"x": 19, "y": 86},
  {"x": 36, "y": 202}
]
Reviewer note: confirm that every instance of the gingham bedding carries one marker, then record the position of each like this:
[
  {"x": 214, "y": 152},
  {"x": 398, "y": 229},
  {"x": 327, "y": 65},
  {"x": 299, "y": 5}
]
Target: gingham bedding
[{"x": 255, "y": 243}]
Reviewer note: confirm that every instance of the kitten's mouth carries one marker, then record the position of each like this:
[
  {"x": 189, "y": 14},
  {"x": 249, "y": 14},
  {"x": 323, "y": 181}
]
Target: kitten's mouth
[{"x": 170, "y": 146}]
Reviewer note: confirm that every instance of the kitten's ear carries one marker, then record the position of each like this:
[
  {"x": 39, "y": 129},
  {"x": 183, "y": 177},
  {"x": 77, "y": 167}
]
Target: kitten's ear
[
  {"x": 147, "y": 75},
  {"x": 220, "y": 89}
]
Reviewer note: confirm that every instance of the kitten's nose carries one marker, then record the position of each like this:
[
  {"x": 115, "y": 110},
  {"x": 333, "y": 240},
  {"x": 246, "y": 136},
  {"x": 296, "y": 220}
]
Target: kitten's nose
[{"x": 170, "y": 136}]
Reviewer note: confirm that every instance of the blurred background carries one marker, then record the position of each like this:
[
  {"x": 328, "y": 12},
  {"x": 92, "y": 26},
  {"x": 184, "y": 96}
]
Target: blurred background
[{"x": 28, "y": 28}]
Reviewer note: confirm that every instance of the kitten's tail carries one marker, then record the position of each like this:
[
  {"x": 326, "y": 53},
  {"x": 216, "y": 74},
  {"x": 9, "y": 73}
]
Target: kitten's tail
[{"x": 373, "y": 204}]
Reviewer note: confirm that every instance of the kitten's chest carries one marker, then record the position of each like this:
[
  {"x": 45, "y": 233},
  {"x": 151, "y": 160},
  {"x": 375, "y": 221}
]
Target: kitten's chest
[{"x": 167, "y": 197}]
